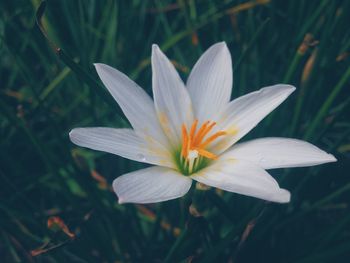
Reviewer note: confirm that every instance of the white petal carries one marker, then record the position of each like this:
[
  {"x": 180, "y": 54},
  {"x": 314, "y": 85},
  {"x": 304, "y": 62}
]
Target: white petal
[
  {"x": 243, "y": 114},
  {"x": 137, "y": 106},
  {"x": 271, "y": 153},
  {"x": 243, "y": 178},
  {"x": 210, "y": 81},
  {"x": 172, "y": 101},
  {"x": 151, "y": 185},
  {"x": 122, "y": 142}
]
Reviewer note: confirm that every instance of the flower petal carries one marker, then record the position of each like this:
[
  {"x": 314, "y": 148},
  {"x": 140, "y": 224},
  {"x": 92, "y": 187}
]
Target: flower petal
[
  {"x": 210, "y": 81},
  {"x": 137, "y": 106},
  {"x": 122, "y": 142},
  {"x": 243, "y": 114},
  {"x": 151, "y": 185},
  {"x": 243, "y": 178},
  {"x": 271, "y": 153},
  {"x": 172, "y": 101}
]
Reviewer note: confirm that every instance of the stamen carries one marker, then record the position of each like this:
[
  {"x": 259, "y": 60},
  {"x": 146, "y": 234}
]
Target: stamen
[
  {"x": 184, "y": 151},
  {"x": 189, "y": 143},
  {"x": 200, "y": 131},
  {"x": 193, "y": 128},
  {"x": 206, "y": 154},
  {"x": 212, "y": 138},
  {"x": 192, "y": 157},
  {"x": 205, "y": 131}
]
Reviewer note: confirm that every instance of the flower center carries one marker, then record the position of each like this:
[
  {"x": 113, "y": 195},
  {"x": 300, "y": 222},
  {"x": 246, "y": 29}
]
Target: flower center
[{"x": 194, "y": 154}]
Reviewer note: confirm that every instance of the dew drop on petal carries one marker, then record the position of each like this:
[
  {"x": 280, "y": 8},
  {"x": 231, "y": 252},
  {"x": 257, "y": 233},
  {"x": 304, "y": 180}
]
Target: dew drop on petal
[{"x": 141, "y": 157}]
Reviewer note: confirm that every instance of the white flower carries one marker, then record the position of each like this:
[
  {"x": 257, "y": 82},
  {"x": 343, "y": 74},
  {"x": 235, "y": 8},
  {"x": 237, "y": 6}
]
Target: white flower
[{"x": 190, "y": 133}]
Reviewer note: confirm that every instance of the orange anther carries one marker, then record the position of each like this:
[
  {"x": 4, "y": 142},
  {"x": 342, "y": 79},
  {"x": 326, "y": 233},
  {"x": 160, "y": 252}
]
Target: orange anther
[
  {"x": 212, "y": 138},
  {"x": 205, "y": 131},
  {"x": 193, "y": 129},
  {"x": 184, "y": 150},
  {"x": 206, "y": 154}
]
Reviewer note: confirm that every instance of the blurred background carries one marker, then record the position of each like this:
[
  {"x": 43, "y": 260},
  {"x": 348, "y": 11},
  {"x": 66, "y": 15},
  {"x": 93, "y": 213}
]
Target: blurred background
[{"x": 56, "y": 203}]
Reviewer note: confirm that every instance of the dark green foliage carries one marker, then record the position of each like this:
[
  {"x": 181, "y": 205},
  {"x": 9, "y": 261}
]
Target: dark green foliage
[{"x": 46, "y": 91}]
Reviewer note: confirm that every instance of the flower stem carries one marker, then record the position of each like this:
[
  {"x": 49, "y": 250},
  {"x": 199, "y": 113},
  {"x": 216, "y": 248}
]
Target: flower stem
[{"x": 184, "y": 233}]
